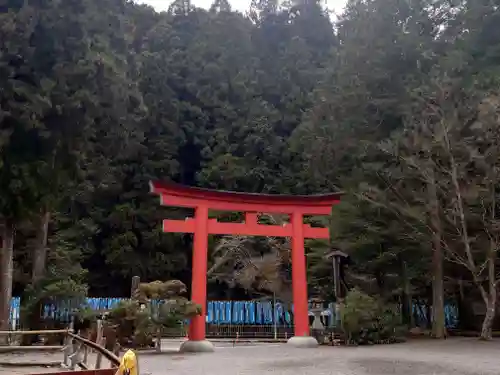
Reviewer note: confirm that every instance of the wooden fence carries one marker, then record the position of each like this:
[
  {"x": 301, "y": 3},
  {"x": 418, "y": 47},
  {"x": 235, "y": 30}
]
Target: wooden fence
[{"x": 78, "y": 352}]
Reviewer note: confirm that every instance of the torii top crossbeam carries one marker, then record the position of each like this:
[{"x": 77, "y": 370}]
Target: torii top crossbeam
[
  {"x": 173, "y": 194},
  {"x": 183, "y": 196}
]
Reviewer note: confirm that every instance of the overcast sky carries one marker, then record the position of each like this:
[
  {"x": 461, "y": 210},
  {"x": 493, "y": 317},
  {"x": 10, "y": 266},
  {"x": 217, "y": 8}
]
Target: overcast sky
[{"x": 241, "y": 5}]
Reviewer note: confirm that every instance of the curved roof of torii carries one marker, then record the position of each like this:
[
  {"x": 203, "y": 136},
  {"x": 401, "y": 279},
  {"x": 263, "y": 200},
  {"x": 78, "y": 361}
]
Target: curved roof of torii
[{"x": 177, "y": 190}]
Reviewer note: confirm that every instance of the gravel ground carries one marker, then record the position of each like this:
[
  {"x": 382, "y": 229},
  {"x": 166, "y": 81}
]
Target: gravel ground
[
  {"x": 28, "y": 357},
  {"x": 37, "y": 358},
  {"x": 449, "y": 357},
  {"x": 423, "y": 357}
]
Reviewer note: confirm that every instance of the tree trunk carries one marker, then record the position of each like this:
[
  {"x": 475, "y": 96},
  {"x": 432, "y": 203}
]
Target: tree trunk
[
  {"x": 461, "y": 304},
  {"x": 428, "y": 312},
  {"x": 39, "y": 259},
  {"x": 490, "y": 299},
  {"x": 486, "y": 329},
  {"x": 136, "y": 280},
  {"x": 438, "y": 319},
  {"x": 438, "y": 322},
  {"x": 6, "y": 276},
  {"x": 40, "y": 251},
  {"x": 406, "y": 297}
]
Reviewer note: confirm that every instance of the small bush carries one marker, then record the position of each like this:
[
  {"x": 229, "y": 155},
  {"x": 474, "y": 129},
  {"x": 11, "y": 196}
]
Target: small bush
[
  {"x": 367, "y": 320},
  {"x": 155, "y": 307}
]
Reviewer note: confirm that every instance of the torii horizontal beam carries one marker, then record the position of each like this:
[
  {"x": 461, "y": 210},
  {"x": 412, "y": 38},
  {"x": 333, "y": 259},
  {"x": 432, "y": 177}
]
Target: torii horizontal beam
[{"x": 243, "y": 229}]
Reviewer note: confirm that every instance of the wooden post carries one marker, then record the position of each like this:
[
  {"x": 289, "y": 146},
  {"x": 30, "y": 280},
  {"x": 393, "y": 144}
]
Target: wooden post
[
  {"x": 98, "y": 361},
  {"x": 158, "y": 340},
  {"x": 136, "y": 280},
  {"x": 72, "y": 324},
  {"x": 299, "y": 277},
  {"x": 74, "y": 357},
  {"x": 100, "y": 340},
  {"x": 85, "y": 354},
  {"x": 99, "y": 332},
  {"x": 67, "y": 350},
  {"x": 116, "y": 348},
  {"x": 199, "y": 274}
]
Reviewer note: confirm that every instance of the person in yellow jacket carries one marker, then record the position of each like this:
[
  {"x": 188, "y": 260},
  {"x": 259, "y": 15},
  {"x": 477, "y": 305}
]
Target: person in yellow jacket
[{"x": 128, "y": 364}]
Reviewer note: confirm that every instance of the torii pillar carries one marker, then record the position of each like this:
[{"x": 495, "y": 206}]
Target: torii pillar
[{"x": 203, "y": 200}]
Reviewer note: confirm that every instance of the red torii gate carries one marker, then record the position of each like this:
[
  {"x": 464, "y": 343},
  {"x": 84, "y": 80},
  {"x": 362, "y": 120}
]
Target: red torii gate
[{"x": 203, "y": 200}]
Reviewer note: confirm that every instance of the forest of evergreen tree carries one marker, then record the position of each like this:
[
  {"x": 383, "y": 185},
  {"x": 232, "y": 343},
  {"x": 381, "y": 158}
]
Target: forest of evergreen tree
[{"x": 396, "y": 103}]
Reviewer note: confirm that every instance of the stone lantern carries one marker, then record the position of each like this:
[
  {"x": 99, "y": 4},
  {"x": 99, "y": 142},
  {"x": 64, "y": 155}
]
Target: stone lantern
[{"x": 316, "y": 310}]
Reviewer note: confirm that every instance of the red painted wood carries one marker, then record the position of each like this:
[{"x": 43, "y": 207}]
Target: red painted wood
[
  {"x": 242, "y": 206},
  {"x": 315, "y": 232},
  {"x": 243, "y": 229},
  {"x": 299, "y": 278},
  {"x": 251, "y": 218},
  {"x": 199, "y": 277},
  {"x": 173, "y": 189},
  {"x": 203, "y": 200},
  {"x": 178, "y": 226}
]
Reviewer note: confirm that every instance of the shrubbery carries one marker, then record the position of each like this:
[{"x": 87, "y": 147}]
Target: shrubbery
[
  {"x": 155, "y": 307},
  {"x": 368, "y": 320}
]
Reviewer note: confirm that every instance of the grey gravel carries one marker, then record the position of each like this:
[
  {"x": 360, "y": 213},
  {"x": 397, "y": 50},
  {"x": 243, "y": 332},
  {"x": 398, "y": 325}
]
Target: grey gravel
[
  {"x": 449, "y": 357},
  {"x": 461, "y": 356}
]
